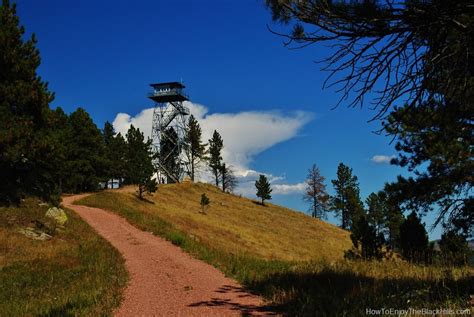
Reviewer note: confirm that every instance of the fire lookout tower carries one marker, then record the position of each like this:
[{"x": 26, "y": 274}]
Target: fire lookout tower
[{"x": 168, "y": 130}]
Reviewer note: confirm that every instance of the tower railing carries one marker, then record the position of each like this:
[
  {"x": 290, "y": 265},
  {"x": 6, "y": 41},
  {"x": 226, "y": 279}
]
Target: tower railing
[{"x": 171, "y": 92}]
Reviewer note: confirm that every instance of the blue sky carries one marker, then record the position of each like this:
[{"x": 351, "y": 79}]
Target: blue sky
[{"x": 102, "y": 55}]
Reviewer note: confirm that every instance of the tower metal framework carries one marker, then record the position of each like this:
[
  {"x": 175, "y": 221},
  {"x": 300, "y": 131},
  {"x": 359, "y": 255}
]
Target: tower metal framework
[{"x": 168, "y": 131}]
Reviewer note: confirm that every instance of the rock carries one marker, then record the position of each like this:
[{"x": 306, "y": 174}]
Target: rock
[
  {"x": 33, "y": 234},
  {"x": 57, "y": 214}
]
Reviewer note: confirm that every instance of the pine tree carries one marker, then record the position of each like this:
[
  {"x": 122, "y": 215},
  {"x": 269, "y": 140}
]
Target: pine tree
[
  {"x": 346, "y": 203},
  {"x": 215, "y": 157},
  {"x": 86, "y": 163},
  {"x": 435, "y": 142},
  {"x": 194, "y": 148},
  {"x": 205, "y": 201},
  {"x": 365, "y": 236},
  {"x": 108, "y": 135},
  {"x": 316, "y": 194},
  {"x": 394, "y": 220},
  {"x": 229, "y": 181},
  {"x": 118, "y": 151},
  {"x": 263, "y": 188},
  {"x": 376, "y": 209},
  {"x": 454, "y": 248},
  {"x": 393, "y": 217},
  {"x": 60, "y": 140},
  {"x": 26, "y": 153},
  {"x": 115, "y": 148},
  {"x": 414, "y": 239},
  {"x": 139, "y": 162}
]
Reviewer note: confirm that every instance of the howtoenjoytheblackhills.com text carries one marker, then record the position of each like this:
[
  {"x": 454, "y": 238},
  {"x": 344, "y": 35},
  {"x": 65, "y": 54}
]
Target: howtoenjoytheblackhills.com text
[{"x": 417, "y": 312}]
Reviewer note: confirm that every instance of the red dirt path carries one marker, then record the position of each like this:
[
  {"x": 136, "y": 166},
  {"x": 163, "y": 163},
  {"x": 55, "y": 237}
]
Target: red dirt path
[{"x": 165, "y": 281}]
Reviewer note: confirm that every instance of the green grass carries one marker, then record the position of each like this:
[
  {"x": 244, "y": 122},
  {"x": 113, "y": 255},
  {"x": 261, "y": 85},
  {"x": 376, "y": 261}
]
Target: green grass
[
  {"x": 76, "y": 273},
  {"x": 324, "y": 284}
]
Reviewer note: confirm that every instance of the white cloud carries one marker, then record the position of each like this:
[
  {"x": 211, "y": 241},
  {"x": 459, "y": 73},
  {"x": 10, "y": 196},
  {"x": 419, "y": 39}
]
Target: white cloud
[
  {"x": 248, "y": 188},
  {"x": 245, "y": 135},
  {"x": 286, "y": 189},
  {"x": 142, "y": 121},
  {"x": 382, "y": 159},
  {"x": 247, "y": 178}
]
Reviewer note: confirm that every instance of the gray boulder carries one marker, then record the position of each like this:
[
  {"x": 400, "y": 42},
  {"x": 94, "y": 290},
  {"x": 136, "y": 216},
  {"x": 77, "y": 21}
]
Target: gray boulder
[{"x": 34, "y": 234}]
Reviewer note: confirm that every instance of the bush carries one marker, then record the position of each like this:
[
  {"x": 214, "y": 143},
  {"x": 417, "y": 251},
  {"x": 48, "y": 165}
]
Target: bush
[
  {"x": 205, "y": 201},
  {"x": 176, "y": 238}
]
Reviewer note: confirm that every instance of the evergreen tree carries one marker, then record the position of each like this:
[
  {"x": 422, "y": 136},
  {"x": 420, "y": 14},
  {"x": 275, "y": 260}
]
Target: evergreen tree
[
  {"x": 194, "y": 148},
  {"x": 346, "y": 203},
  {"x": 229, "y": 181},
  {"x": 60, "y": 140},
  {"x": 316, "y": 194},
  {"x": 435, "y": 141},
  {"x": 454, "y": 248},
  {"x": 148, "y": 185},
  {"x": 263, "y": 188},
  {"x": 139, "y": 158},
  {"x": 115, "y": 149},
  {"x": 26, "y": 152},
  {"x": 365, "y": 236},
  {"x": 414, "y": 239},
  {"x": 108, "y": 135},
  {"x": 85, "y": 163},
  {"x": 169, "y": 154},
  {"x": 393, "y": 220},
  {"x": 376, "y": 210},
  {"x": 205, "y": 201},
  {"x": 215, "y": 157}
]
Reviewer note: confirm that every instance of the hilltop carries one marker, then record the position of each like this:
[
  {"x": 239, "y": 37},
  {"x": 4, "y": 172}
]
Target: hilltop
[{"x": 236, "y": 224}]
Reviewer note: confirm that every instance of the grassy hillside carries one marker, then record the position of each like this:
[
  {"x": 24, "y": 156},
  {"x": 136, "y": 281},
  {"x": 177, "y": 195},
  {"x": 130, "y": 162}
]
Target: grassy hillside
[
  {"x": 74, "y": 273},
  {"x": 239, "y": 225},
  {"x": 295, "y": 261}
]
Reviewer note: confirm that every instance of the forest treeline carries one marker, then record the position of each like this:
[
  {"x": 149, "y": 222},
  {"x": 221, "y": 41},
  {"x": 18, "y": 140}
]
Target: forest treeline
[{"x": 383, "y": 226}]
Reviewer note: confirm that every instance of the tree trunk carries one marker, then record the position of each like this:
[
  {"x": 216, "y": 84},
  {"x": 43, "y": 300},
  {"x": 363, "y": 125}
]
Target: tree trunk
[{"x": 192, "y": 167}]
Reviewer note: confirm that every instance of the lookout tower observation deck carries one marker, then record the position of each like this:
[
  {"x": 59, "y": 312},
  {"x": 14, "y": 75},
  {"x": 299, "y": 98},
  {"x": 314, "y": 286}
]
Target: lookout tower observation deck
[{"x": 168, "y": 92}]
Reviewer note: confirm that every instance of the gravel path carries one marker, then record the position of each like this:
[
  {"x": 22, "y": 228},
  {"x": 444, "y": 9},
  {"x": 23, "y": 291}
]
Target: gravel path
[{"x": 165, "y": 281}]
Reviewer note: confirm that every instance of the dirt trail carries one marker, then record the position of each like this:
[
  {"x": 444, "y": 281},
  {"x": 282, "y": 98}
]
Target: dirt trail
[{"x": 165, "y": 281}]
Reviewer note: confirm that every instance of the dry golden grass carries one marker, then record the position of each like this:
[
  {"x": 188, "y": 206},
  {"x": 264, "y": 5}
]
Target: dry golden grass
[{"x": 239, "y": 225}]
